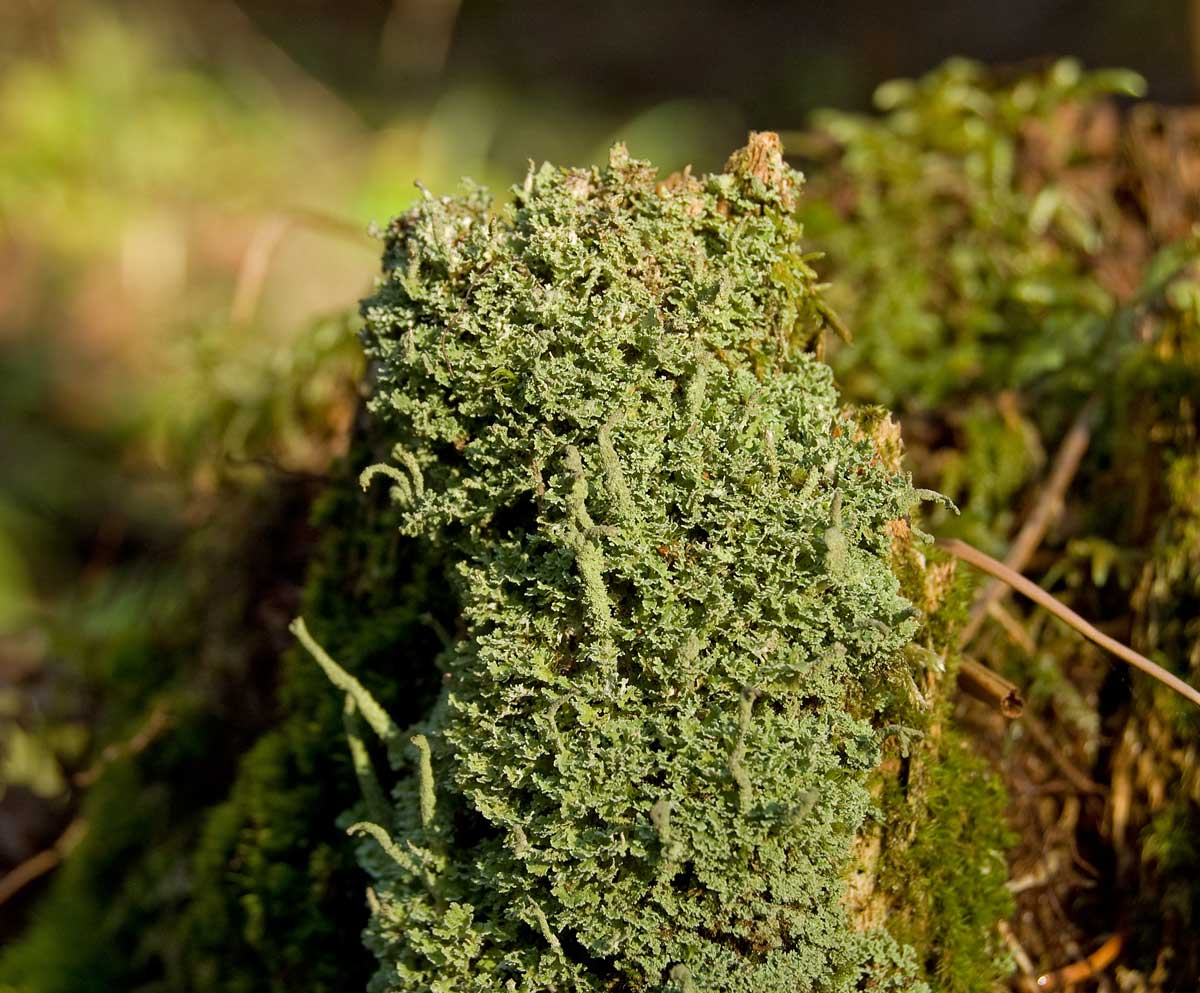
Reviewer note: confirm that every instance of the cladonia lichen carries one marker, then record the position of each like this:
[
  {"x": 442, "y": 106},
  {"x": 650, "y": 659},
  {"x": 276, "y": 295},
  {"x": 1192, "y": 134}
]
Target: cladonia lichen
[{"x": 679, "y": 620}]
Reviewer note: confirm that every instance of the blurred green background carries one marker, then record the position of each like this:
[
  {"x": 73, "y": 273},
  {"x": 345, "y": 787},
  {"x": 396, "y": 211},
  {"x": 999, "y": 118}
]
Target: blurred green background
[{"x": 185, "y": 196}]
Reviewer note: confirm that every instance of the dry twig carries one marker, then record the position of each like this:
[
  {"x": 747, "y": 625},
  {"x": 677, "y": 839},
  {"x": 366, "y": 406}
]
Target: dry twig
[
  {"x": 38, "y": 865},
  {"x": 1037, "y": 730},
  {"x": 1015, "y": 948},
  {"x": 1085, "y": 968},
  {"x": 973, "y": 556},
  {"x": 1049, "y": 503},
  {"x": 158, "y": 721},
  {"x": 983, "y": 684}
]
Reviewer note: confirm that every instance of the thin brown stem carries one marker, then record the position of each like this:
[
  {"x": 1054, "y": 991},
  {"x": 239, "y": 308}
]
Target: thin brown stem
[
  {"x": 1020, "y": 956},
  {"x": 43, "y": 862},
  {"x": 990, "y": 687},
  {"x": 255, "y": 267},
  {"x": 1049, "y": 504},
  {"x": 1013, "y": 628},
  {"x": 1085, "y": 968},
  {"x": 158, "y": 721},
  {"x": 973, "y": 556}
]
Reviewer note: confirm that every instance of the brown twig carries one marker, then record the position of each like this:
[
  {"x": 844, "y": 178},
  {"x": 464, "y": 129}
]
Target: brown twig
[
  {"x": 1085, "y": 968},
  {"x": 973, "y": 556},
  {"x": 38, "y": 865},
  {"x": 158, "y": 721},
  {"x": 1049, "y": 503},
  {"x": 990, "y": 687},
  {"x": 1043, "y": 873},
  {"x": 1020, "y": 956}
]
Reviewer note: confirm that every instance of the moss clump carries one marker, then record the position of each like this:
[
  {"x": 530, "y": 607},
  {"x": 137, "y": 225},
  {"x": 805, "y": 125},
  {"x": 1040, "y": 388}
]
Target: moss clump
[
  {"x": 680, "y": 628},
  {"x": 963, "y": 270},
  {"x": 942, "y": 830},
  {"x": 1015, "y": 253},
  {"x": 164, "y": 643},
  {"x": 959, "y": 840},
  {"x": 275, "y": 901},
  {"x": 983, "y": 278},
  {"x": 213, "y": 862}
]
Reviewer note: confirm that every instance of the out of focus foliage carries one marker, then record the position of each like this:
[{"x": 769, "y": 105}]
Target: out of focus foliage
[
  {"x": 993, "y": 265},
  {"x": 962, "y": 275}
]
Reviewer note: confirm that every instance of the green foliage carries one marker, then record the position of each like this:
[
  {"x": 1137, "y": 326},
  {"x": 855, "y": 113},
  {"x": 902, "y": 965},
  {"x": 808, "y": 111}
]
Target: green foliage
[
  {"x": 960, "y": 278},
  {"x": 966, "y": 282},
  {"x": 672, "y": 559},
  {"x": 121, "y": 892},
  {"x": 106, "y": 897}
]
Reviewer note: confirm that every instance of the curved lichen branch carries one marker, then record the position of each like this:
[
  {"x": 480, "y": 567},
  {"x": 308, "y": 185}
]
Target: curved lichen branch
[
  {"x": 544, "y": 927},
  {"x": 368, "y": 782},
  {"x": 969, "y": 554},
  {"x": 376, "y": 717},
  {"x": 397, "y": 854},
  {"x": 425, "y": 770}
]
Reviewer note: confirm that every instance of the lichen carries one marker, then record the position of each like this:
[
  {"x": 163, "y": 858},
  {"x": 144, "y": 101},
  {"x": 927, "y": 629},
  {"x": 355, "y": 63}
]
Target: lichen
[{"x": 679, "y": 619}]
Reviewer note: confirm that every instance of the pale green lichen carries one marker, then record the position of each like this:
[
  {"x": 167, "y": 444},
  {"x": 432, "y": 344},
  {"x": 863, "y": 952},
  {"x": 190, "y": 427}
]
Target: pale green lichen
[{"x": 679, "y": 621}]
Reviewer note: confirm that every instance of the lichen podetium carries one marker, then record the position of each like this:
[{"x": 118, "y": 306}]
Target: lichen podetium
[{"x": 681, "y": 633}]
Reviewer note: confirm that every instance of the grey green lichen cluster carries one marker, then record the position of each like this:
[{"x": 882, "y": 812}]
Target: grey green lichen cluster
[{"x": 680, "y": 632}]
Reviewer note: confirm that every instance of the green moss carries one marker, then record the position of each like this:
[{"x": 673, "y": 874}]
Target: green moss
[
  {"x": 1171, "y": 848},
  {"x": 213, "y": 863},
  {"x": 1001, "y": 260},
  {"x": 147, "y": 643},
  {"x": 956, "y": 274},
  {"x": 970, "y": 285},
  {"x": 109, "y": 893},
  {"x": 947, "y": 883},
  {"x": 276, "y": 901}
]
